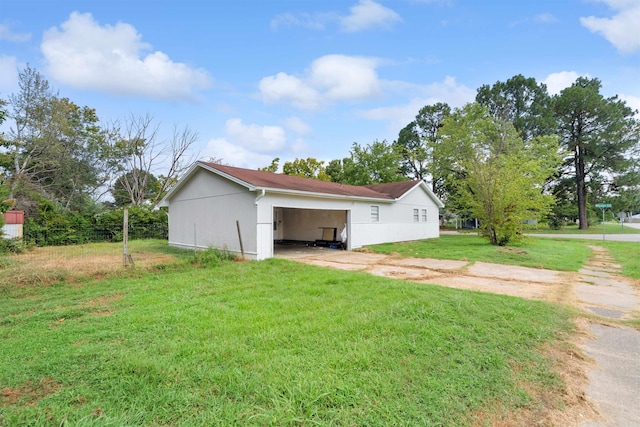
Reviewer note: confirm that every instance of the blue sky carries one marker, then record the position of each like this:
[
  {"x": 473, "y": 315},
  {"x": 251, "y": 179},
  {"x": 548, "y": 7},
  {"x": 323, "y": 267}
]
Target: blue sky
[{"x": 264, "y": 79}]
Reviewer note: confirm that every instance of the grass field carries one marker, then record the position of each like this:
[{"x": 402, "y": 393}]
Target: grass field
[
  {"x": 554, "y": 254},
  {"x": 609, "y": 228},
  {"x": 270, "y": 343},
  {"x": 627, "y": 255}
]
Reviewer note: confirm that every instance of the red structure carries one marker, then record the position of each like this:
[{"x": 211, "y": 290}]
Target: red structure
[{"x": 13, "y": 217}]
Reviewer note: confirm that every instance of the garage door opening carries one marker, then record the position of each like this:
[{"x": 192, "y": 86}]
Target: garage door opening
[{"x": 294, "y": 229}]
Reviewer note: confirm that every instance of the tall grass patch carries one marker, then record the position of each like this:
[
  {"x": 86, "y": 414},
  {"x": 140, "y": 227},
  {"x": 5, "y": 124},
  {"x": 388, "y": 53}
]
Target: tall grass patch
[{"x": 270, "y": 343}]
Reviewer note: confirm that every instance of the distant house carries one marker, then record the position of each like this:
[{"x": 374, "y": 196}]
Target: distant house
[{"x": 211, "y": 202}]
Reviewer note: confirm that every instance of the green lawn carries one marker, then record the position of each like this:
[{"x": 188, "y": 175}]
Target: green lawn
[
  {"x": 609, "y": 228},
  {"x": 554, "y": 254},
  {"x": 627, "y": 255},
  {"x": 270, "y": 343}
]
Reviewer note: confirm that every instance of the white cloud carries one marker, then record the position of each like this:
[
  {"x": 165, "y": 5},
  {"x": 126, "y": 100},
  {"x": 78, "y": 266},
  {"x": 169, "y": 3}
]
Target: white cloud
[
  {"x": 8, "y": 74},
  {"x": 261, "y": 139},
  {"x": 448, "y": 91},
  {"x": 633, "y": 102},
  {"x": 313, "y": 21},
  {"x": 622, "y": 29},
  {"x": 557, "y": 81},
  {"x": 7, "y": 34},
  {"x": 368, "y": 14},
  {"x": 398, "y": 116},
  {"x": 283, "y": 86},
  {"x": 252, "y": 146},
  {"x": 82, "y": 53},
  {"x": 346, "y": 77},
  {"x": 296, "y": 125},
  {"x": 364, "y": 15},
  {"x": 235, "y": 155},
  {"x": 329, "y": 78}
]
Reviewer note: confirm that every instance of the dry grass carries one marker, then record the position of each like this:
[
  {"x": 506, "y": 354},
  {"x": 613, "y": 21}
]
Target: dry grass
[{"x": 43, "y": 266}]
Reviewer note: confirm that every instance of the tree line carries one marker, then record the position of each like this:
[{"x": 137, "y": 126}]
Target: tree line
[
  {"x": 517, "y": 153},
  {"x": 58, "y": 161}
]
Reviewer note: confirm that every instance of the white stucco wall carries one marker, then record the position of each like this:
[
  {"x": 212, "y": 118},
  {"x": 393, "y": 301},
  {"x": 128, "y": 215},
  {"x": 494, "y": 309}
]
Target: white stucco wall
[
  {"x": 12, "y": 231},
  {"x": 396, "y": 222},
  {"x": 212, "y": 205}
]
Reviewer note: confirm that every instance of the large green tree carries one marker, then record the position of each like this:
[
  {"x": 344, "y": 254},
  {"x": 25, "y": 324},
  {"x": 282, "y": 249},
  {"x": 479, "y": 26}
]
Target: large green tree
[
  {"x": 600, "y": 135},
  {"x": 134, "y": 186},
  {"x": 273, "y": 167},
  {"x": 521, "y": 101},
  {"x": 307, "y": 168},
  {"x": 374, "y": 163},
  {"x": 417, "y": 141},
  {"x": 54, "y": 148},
  {"x": 496, "y": 175}
]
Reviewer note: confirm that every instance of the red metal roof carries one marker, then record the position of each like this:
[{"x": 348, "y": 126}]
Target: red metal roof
[
  {"x": 13, "y": 217},
  {"x": 271, "y": 180}
]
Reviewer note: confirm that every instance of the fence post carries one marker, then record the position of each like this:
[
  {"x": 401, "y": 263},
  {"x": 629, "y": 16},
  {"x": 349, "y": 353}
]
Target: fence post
[
  {"x": 240, "y": 238},
  {"x": 195, "y": 245},
  {"x": 125, "y": 237}
]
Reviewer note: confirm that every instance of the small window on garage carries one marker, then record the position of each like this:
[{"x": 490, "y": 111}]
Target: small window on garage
[
  {"x": 424, "y": 215},
  {"x": 416, "y": 215},
  {"x": 375, "y": 213}
]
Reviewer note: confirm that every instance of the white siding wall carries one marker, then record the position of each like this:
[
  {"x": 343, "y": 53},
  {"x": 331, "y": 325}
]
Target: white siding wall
[
  {"x": 12, "y": 231},
  {"x": 213, "y": 205},
  {"x": 396, "y": 222}
]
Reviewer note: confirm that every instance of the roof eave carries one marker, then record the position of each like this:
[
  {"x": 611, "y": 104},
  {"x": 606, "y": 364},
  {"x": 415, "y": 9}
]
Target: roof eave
[{"x": 325, "y": 195}]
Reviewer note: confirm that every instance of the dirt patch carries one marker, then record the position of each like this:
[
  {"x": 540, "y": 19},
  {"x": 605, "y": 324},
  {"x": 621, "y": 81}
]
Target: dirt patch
[
  {"x": 29, "y": 393},
  {"x": 104, "y": 300},
  {"x": 516, "y": 251}
]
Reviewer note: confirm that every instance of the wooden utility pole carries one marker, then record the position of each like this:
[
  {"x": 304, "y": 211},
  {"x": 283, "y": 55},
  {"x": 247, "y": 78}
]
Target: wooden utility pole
[{"x": 125, "y": 237}]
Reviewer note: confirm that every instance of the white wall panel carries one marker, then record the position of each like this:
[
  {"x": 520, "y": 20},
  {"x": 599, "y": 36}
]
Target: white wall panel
[{"x": 212, "y": 205}]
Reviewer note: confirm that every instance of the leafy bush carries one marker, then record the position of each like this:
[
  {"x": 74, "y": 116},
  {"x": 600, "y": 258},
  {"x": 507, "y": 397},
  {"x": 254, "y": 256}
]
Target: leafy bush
[
  {"x": 55, "y": 226},
  {"x": 555, "y": 223},
  {"x": 15, "y": 246},
  {"x": 143, "y": 223}
]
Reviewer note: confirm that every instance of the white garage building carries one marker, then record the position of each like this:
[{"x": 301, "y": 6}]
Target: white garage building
[{"x": 220, "y": 206}]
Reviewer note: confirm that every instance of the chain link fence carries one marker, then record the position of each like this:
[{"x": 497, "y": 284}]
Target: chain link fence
[{"x": 65, "y": 236}]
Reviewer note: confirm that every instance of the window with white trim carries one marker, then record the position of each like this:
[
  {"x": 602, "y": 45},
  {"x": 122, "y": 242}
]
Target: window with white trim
[
  {"x": 416, "y": 215},
  {"x": 375, "y": 213},
  {"x": 424, "y": 215}
]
